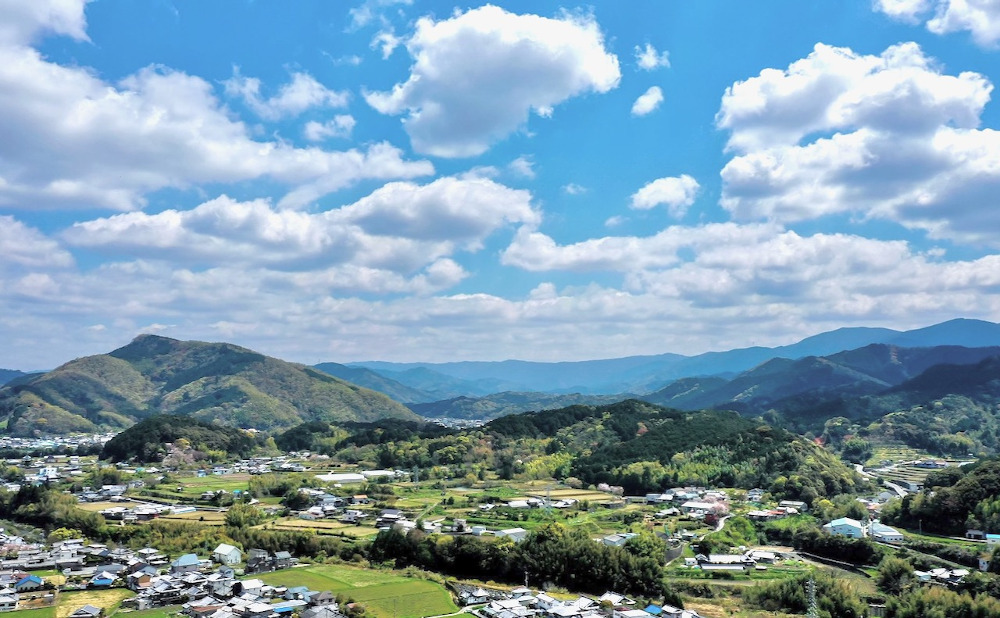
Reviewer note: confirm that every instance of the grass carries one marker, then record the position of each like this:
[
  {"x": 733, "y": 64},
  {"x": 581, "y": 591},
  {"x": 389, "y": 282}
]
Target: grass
[
  {"x": 69, "y": 602},
  {"x": 384, "y": 594},
  {"x": 160, "y": 612}
]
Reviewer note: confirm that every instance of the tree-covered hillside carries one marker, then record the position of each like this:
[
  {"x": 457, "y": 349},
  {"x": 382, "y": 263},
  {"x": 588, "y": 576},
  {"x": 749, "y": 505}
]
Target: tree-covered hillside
[
  {"x": 148, "y": 440},
  {"x": 209, "y": 381},
  {"x": 638, "y": 445}
]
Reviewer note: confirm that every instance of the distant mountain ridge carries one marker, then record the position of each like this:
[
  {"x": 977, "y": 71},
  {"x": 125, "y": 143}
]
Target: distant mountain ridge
[
  {"x": 647, "y": 374},
  {"x": 6, "y": 375},
  {"x": 213, "y": 382},
  {"x": 870, "y": 370}
]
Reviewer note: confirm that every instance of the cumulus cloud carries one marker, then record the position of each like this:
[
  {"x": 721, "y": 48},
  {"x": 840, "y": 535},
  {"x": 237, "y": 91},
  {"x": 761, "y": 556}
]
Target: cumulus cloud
[
  {"x": 574, "y": 189},
  {"x": 304, "y": 92},
  {"x": 981, "y": 18},
  {"x": 648, "y": 58},
  {"x": 647, "y": 101},
  {"x": 477, "y": 76},
  {"x": 340, "y": 125},
  {"x": 72, "y": 139},
  {"x": 23, "y": 22},
  {"x": 22, "y": 247},
  {"x": 674, "y": 192},
  {"x": 399, "y": 227},
  {"x": 899, "y": 140}
]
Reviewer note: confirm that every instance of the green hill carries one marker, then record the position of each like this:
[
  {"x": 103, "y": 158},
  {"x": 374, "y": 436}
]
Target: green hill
[
  {"x": 147, "y": 441},
  {"x": 644, "y": 447},
  {"x": 213, "y": 382}
]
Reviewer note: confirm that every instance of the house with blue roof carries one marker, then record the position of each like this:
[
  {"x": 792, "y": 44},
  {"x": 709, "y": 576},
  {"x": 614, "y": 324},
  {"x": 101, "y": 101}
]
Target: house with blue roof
[
  {"x": 29, "y": 583},
  {"x": 187, "y": 563},
  {"x": 101, "y": 580}
]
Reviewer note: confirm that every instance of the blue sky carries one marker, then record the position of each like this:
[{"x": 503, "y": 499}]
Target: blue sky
[{"x": 426, "y": 181}]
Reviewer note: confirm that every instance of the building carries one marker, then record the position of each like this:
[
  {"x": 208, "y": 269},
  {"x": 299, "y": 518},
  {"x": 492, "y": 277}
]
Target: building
[
  {"x": 227, "y": 554},
  {"x": 884, "y": 534},
  {"x": 187, "y": 563},
  {"x": 845, "y": 526}
]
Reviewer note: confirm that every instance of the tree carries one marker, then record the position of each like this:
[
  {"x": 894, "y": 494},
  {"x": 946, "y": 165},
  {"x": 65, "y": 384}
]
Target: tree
[{"x": 894, "y": 575}]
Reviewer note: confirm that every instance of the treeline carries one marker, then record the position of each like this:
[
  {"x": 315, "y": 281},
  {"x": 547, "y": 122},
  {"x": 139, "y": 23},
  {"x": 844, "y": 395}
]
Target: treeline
[
  {"x": 551, "y": 555},
  {"x": 145, "y": 441},
  {"x": 834, "y": 597}
]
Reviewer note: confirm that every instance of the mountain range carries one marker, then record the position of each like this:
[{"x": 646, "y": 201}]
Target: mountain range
[
  {"x": 215, "y": 382},
  {"x": 6, "y": 375},
  {"x": 647, "y": 374}
]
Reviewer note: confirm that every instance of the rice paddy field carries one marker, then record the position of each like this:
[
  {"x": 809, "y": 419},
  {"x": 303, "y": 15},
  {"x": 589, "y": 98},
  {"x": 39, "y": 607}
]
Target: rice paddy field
[{"x": 384, "y": 594}]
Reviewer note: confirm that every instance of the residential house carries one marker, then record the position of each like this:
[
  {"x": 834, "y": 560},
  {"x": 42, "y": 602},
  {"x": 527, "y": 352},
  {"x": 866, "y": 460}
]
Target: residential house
[
  {"x": 88, "y": 611},
  {"x": 227, "y": 554},
  {"x": 8, "y": 603},
  {"x": 29, "y": 583},
  {"x": 185, "y": 564}
]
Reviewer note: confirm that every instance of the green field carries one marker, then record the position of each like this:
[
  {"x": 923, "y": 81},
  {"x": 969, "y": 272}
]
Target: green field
[
  {"x": 384, "y": 594},
  {"x": 160, "y": 612}
]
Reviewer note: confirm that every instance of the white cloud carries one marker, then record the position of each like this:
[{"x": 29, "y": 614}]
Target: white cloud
[
  {"x": 908, "y": 11},
  {"x": 898, "y": 140},
  {"x": 647, "y": 101},
  {"x": 371, "y": 10},
  {"x": 340, "y": 125},
  {"x": 523, "y": 166},
  {"x": 387, "y": 41},
  {"x": 648, "y": 58},
  {"x": 674, "y": 192},
  {"x": 574, "y": 189},
  {"x": 25, "y": 247},
  {"x": 300, "y": 94},
  {"x": 534, "y": 251},
  {"x": 981, "y": 18},
  {"x": 71, "y": 139},
  {"x": 399, "y": 227},
  {"x": 23, "y": 21},
  {"x": 477, "y": 76}
]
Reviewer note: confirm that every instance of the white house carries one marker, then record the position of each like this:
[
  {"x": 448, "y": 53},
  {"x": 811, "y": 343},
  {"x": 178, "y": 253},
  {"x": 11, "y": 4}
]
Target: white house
[
  {"x": 227, "y": 554},
  {"x": 845, "y": 526}
]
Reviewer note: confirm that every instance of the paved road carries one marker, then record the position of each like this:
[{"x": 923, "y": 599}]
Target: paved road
[{"x": 722, "y": 523}]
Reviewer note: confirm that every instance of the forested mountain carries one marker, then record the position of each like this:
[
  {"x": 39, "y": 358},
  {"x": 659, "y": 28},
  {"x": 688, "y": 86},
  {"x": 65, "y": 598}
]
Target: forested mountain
[
  {"x": 811, "y": 385},
  {"x": 949, "y": 410},
  {"x": 6, "y": 375},
  {"x": 502, "y": 404},
  {"x": 376, "y": 382},
  {"x": 209, "y": 381},
  {"x": 644, "y": 374}
]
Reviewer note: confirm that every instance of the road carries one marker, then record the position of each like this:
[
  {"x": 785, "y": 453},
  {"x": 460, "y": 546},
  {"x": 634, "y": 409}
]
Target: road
[{"x": 722, "y": 523}]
